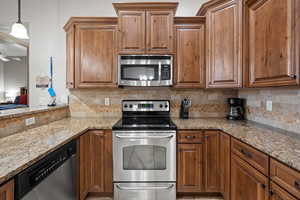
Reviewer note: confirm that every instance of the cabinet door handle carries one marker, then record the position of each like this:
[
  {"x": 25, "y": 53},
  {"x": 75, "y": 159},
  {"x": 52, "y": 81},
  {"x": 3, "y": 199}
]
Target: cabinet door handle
[
  {"x": 263, "y": 186},
  {"x": 190, "y": 137},
  {"x": 271, "y": 193},
  {"x": 297, "y": 185},
  {"x": 246, "y": 153}
]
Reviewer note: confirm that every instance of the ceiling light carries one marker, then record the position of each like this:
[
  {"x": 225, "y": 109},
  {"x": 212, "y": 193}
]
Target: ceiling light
[{"x": 18, "y": 30}]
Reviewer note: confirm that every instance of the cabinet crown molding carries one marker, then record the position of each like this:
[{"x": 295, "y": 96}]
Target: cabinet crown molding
[
  {"x": 189, "y": 20},
  {"x": 210, "y": 4},
  {"x": 146, "y": 6},
  {"x": 90, "y": 20}
]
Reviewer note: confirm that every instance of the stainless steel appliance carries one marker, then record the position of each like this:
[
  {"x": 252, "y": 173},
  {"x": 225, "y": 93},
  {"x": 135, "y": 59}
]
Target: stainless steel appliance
[
  {"x": 145, "y": 70},
  {"x": 51, "y": 178},
  {"x": 144, "y": 152}
]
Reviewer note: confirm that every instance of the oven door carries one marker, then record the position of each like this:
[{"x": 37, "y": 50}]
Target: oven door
[
  {"x": 142, "y": 156},
  {"x": 145, "y": 191}
]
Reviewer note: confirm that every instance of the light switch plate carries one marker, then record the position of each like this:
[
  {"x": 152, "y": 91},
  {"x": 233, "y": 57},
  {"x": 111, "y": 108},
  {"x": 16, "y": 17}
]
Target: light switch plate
[
  {"x": 269, "y": 106},
  {"x": 30, "y": 121},
  {"x": 107, "y": 101}
]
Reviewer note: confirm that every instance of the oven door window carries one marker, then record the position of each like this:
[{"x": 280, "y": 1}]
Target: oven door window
[
  {"x": 144, "y": 157},
  {"x": 140, "y": 72}
]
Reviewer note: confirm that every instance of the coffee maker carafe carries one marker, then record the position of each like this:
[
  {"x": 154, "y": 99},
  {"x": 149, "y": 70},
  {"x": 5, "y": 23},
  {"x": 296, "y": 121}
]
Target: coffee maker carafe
[
  {"x": 184, "y": 108},
  {"x": 236, "y": 109}
]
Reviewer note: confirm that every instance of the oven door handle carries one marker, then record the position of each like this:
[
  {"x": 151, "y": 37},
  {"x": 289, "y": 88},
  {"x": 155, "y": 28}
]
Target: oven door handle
[
  {"x": 146, "y": 187},
  {"x": 143, "y": 137}
]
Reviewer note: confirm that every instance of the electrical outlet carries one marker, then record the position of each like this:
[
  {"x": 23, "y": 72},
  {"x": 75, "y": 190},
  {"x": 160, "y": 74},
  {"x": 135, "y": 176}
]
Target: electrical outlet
[
  {"x": 107, "y": 101},
  {"x": 30, "y": 121},
  {"x": 269, "y": 106}
]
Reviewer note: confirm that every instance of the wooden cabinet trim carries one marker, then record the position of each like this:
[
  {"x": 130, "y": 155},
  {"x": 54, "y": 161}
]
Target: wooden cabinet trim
[
  {"x": 225, "y": 161},
  {"x": 145, "y": 6},
  {"x": 277, "y": 193},
  {"x": 7, "y": 190},
  {"x": 254, "y": 157}
]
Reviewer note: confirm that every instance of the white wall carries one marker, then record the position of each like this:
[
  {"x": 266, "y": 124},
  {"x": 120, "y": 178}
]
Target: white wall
[
  {"x": 1, "y": 82},
  {"x": 15, "y": 76},
  {"x": 47, "y": 38}
]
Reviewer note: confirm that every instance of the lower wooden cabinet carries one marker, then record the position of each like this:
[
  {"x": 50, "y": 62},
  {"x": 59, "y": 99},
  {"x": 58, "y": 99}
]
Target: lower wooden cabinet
[
  {"x": 7, "y": 191},
  {"x": 277, "y": 193},
  {"x": 190, "y": 168},
  {"x": 247, "y": 183},
  {"x": 225, "y": 165},
  {"x": 212, "y": 161},
  {"x": 95, "y": 163}
]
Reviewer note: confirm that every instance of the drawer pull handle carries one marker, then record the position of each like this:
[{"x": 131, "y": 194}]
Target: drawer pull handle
[
  {"x": 246, "y": 153},
  {"x": 190, "y": 137},
  {"x": 297, "y": 185}
]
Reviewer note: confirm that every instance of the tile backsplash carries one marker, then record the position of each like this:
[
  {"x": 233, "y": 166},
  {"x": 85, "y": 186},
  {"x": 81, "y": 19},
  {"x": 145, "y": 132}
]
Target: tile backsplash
[
  {"x": 285, "y": 112},
  {"x": 205, "y": 103}
]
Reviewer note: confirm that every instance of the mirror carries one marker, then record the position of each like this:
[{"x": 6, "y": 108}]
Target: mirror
[{"x": 13, "y": 72}]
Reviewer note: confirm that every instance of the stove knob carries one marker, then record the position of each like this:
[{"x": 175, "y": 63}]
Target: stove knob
[
  {"x": 161, "y": 106},
  {"x": 125, "y": 106},
  {"x": 130, "y": 106},
  {"x": 166, "y": 106}
]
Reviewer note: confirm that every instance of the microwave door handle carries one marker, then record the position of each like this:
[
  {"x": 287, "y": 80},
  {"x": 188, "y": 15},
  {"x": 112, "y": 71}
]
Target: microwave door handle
[
  {"x": 143, "y": 137},
  {"x": 146, "y": 187}
]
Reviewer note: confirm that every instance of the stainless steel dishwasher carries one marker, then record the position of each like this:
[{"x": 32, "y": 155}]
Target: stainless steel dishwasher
[{"x": 52, "y": 178}]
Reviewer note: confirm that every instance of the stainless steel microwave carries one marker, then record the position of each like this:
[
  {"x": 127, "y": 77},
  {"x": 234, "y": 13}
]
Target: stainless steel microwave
[{"x": 145, "y": 70}]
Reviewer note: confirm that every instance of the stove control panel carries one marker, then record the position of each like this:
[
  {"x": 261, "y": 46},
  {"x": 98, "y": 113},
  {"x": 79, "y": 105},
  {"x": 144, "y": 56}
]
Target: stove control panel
[{"x": 145, "y": 106}]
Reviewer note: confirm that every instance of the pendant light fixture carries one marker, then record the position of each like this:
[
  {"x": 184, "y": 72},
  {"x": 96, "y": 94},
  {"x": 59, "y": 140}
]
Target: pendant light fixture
[{"x": 18, "y": 30}]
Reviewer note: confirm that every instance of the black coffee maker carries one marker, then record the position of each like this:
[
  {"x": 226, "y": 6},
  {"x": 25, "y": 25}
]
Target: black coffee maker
[
  {"x": 184, "y": 108},
  {"x": 236, "y": 109}
]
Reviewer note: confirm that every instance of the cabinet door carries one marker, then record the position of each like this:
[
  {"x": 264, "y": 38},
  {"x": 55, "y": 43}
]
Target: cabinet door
[
  {"x": 131, "y": 34},
  {"x": 212, "y": 161},
  {"x": 159, "y": 28},
  {"x": 95, "y": 163},
  {"x": 95, "y": 62},
  {"x": 246, "y": 182},
  {"x": 190, "y": 56},
  {"x": 272, "y": 42},
  {"x": 225, "y": 165},
  {"x": 190, "y": 168},
  {"x": 224, "y": 45},
  {"x": 277, "y": 193},
  {"x": 7, "y": 191},
  {"x": 70, "y": 42}
]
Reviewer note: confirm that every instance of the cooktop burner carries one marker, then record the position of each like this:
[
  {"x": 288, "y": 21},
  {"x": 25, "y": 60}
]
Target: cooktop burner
[
  {"x": 145, "y": 123},
  {"x": 145, "y": 115}
]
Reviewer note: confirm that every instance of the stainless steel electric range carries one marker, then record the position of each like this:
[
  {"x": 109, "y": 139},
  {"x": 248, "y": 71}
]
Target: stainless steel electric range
[{"x": 144, "y": 152}]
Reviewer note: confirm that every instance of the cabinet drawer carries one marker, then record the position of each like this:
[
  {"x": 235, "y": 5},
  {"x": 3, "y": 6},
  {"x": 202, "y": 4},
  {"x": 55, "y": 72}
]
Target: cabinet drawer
[
  {"x": 190, "y": 136},
  {"x": 286, "y": 177},
  {"x": 254, "y": 157}
]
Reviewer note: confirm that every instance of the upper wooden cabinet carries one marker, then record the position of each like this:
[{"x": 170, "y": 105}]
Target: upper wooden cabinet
[
  {"x": 146, "y": 28},
  {"x": 131, "y": 33},
  {"x": 272, "y": 42},
  {"x": 95, "y": 163},
  {"x": 7, "y": 191},
  {"x": 190, "y": 56},
  {"x": 224, "y": 43},
  {"x": 91, "y": 52}
]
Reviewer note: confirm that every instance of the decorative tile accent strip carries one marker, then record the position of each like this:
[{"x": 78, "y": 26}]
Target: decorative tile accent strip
[
  {"x": 12, "y": 125},
  {"x": 205, "y": 103},
  {"x": 286, "y": 107}
]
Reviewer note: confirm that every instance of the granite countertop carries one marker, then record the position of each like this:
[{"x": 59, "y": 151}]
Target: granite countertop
[{"x": 20, "y": 150}]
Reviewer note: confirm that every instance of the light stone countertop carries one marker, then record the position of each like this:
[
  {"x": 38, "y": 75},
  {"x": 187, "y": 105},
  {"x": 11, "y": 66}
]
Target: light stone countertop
[{"x": 21, "y": 150}]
